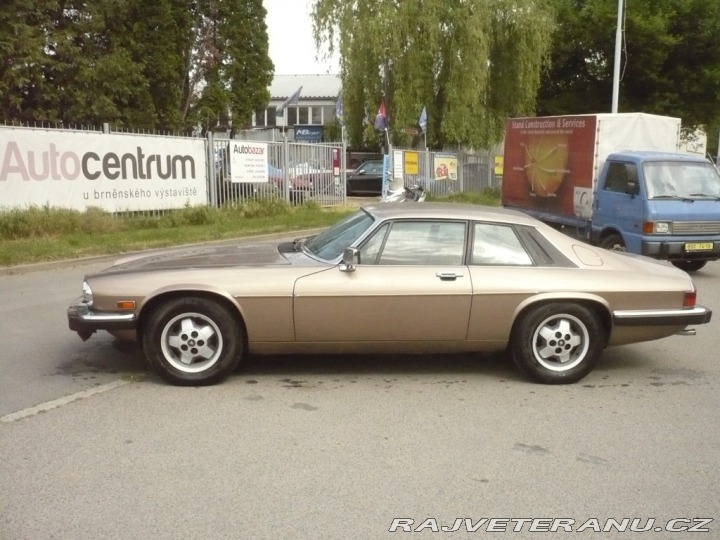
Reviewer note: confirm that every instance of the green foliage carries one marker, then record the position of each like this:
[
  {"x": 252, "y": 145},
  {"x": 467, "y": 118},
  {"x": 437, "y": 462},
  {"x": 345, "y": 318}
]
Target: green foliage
[
  {"x": 46, "y": 221},
  {"x": 45, "y": 233},
  {"x": 670, "y": 60},
  {"x": 472, "y": 63},
  {"x": 264, "y": 208},
  {"x": 488, "y": 197},
  {"x": 159, "y": 65}
]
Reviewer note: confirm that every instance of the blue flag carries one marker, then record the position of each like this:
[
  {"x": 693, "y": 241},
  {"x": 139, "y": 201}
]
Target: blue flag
[{"x": 423, "y": 119}]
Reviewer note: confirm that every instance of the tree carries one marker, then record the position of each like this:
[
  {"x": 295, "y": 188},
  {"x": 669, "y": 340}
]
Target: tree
[
  {"x": 232, "y": 50},
  {"x": 472, "y": 63},
  {"x": 670, "y": 63},
  {"x": 162, "y": 65}
]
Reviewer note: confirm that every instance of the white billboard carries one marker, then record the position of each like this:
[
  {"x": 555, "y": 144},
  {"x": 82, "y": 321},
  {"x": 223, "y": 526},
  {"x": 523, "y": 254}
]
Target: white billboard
[
  {"x": 248, "y": 162},
  {"x": 114, "y": 172}
]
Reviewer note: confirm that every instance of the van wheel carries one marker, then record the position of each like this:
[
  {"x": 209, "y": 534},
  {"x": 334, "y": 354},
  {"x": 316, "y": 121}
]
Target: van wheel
[
  {"x": 689, "y": 266},
  {"x": 557, "y": 343},
  {"x": 613, "y": 242},
  {"x": 193, "y": 341}
]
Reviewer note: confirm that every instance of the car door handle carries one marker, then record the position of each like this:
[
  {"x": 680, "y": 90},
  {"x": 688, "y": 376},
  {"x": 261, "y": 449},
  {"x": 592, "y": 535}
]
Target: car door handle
[{"x": 448, "y": 276}]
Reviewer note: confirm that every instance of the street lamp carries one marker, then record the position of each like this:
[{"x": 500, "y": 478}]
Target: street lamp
[{"x": 618, "y": 47}]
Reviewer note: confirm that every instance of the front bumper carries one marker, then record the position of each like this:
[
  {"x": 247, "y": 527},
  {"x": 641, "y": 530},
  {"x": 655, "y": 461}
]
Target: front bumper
[
  {"x": 83, "y": 320},
  {"x": 675, "y": 250},
  {"x": 662, "y": 317}
]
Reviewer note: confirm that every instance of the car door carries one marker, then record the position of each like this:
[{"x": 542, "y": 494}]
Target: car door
[
  {"x": 618, "y": 204},
  {"x": 410, "y": 284},
  {"x": 504, "y": 275}
]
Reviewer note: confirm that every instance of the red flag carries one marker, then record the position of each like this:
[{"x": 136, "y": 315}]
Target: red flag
[{"x": 381, "y": 118}]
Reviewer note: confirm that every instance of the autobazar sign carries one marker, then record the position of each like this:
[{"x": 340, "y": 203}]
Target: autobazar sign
[
  {"x": 248, "y": 162},
  {"x": 114, "y": 172}
]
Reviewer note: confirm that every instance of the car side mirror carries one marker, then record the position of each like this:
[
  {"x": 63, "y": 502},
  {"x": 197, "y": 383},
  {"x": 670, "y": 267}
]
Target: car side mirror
[
  {"x": 350, "y": 257},
  {"x": 631, "y": 188}
]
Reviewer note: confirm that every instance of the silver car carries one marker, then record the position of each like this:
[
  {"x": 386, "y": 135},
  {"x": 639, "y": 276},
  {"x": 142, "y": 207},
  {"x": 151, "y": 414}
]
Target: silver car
[{"x": 391, "y": 278}]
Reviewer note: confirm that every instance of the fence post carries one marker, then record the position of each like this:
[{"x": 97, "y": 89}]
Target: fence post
[
  {"x": 212, "y": 182},
  {"x": 286, "y": 168}
]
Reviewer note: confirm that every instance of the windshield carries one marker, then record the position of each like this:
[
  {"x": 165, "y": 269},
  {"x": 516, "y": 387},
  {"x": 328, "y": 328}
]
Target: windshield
[
  {"x": 681, "y": 179},
  {"x": 330, "y": 243}
]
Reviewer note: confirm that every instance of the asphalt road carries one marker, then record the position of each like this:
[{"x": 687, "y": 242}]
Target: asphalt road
[{"x": 93, "y": 446}]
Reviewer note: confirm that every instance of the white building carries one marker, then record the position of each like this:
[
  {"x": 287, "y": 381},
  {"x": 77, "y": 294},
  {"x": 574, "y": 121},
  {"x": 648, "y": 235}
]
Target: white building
[{"x": 316, "y": 105}]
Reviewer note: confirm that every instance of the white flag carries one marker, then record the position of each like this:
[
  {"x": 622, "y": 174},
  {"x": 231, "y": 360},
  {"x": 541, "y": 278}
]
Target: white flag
[{"x": 292, "y": 100}]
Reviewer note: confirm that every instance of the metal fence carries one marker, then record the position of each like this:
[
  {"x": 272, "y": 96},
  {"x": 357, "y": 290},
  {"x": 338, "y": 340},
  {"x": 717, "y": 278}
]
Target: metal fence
[
  {"x": 300, "y": 172},
  {"x": 297, "y": 172}
]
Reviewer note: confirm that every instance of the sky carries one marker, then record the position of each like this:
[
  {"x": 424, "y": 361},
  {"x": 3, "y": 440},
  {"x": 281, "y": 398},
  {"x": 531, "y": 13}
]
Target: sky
[{"x": 292, "y": 48}]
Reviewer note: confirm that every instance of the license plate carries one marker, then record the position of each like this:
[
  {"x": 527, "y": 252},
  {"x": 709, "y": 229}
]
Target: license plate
[{"x": 699, "y": 246}]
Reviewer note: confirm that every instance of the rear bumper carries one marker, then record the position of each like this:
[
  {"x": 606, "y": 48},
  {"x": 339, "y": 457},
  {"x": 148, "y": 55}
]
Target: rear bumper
[
  {"x": 85, "y": 321},
  {"x": 662, "y": 317}
]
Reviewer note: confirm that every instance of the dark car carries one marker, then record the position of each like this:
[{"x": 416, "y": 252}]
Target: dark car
[{"x": 366, "y": 179}]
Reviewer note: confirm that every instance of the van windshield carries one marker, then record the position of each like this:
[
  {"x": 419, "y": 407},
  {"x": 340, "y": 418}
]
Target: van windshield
[{"x": 681, "y": 179}]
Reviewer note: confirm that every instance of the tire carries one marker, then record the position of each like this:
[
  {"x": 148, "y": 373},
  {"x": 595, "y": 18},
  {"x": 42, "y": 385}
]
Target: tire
[
  {"x": 689, "y": 266},
  {"x": 557, "y": 343},
  {"x": 193, "y": 341},
  {"x": 613, "y": 242}
]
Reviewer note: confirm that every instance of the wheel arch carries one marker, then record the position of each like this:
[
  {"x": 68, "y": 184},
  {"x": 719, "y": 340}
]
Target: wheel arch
[
  {"x": 153, "y": 302},
  {"x": 594, "y": 303},
  {"x": 609, "y": 231}
]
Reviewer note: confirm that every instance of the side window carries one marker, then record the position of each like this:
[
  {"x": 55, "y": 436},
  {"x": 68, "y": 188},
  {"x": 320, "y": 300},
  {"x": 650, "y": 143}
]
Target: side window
[
  {"x": 421, "y": 243},
  {"x": 371, "y": 249},
  {"x": 495, "y": 244},
  {"x": 619, "y": 175}
]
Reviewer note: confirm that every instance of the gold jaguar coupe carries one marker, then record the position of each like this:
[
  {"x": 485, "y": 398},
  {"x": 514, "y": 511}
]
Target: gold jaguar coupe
[{"x": 391, "y": 278}]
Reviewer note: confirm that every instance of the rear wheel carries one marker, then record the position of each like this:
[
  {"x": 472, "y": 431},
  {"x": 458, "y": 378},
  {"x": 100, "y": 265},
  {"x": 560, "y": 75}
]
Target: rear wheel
[
  {"x": 557, "y": 343},
  {"x": 614, "y": 242},
  {"x": 193, "y": 341},
  {"x": 689, "y": 266}
]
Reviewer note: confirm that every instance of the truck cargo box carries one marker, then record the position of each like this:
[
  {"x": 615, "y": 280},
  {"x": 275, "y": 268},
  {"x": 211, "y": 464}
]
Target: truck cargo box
[{"x": 551, "y": 164}]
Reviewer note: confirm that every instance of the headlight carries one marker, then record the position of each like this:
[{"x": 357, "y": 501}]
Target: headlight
[
  {"x": 662, "y": 227},
  {"x": 87, "y": 294},
  {"x": 657, "y": 227}
]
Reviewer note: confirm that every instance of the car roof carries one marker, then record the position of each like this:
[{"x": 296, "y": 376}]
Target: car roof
[{"x": 449, "y": 211}]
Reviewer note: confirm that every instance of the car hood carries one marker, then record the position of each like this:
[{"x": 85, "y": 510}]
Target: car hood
[{"x": 206, "y": 257}]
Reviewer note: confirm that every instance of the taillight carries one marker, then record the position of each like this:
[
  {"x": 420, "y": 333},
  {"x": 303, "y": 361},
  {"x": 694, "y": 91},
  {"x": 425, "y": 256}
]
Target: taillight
[{"x": 690, "y": 299}]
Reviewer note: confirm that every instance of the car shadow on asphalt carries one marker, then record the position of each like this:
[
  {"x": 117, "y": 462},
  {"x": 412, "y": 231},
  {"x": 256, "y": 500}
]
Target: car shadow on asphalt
[
  {"x": 110, "y": 356},
  {"x": 103, "y": 355},
  {"x": 491, "y": 365}
]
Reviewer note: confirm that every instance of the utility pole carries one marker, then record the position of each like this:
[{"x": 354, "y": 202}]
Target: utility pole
[{"x": 618, "y": 48}]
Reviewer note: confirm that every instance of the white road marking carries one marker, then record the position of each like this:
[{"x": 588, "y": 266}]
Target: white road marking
[{"x": 55, "y": 403}]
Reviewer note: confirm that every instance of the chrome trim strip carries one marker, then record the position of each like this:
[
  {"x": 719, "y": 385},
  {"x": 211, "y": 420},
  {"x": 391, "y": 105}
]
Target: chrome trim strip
[
  {"x": 107, "y": 317},
  {"x": 696, "y": 315}
]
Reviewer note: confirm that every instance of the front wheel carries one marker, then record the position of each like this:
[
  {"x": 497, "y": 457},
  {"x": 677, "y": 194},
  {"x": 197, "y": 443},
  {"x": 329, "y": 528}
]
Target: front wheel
[
  {"x": 193, "y": 341},
  {"x": 557, "y": 343},
  {"x": 614, "y": 242},
  {"x": 689, "y": 266}
]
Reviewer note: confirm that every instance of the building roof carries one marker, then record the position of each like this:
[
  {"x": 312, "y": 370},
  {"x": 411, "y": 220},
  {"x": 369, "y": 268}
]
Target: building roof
[{"x": 313, "y": 86}]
